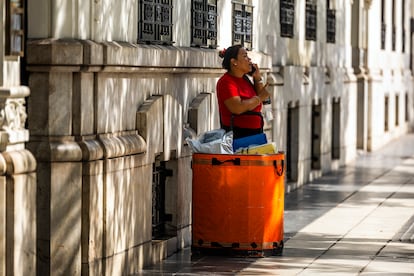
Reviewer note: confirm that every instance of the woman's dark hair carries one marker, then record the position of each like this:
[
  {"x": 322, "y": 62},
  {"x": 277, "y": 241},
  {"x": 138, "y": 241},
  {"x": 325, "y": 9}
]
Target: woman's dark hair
[{"x": 228, "y": 54}]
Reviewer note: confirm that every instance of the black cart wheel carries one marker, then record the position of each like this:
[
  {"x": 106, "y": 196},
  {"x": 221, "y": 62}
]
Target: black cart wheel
[{"x": 278, "y": 249}]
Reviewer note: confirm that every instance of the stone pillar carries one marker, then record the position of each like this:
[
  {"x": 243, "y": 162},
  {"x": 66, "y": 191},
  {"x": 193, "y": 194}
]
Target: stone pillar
[
  {"x": 2, "y": 226},
  {"x": 59, "y": 189},
  {"x": 17, "y": 186},
  {"x": 59, "y": 171},
  {"x": 21, "y": 213}
]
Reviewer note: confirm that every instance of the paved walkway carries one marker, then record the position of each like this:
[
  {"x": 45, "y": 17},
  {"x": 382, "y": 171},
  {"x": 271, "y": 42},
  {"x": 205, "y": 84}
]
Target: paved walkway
[{"x": 358, "y": 220}]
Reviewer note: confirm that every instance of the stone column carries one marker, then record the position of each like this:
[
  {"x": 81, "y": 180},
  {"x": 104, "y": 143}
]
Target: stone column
[
  {"x": 2, "y": 226},
  {"x": 17, "y": 186},
  {"x": 59, "y": 172}
]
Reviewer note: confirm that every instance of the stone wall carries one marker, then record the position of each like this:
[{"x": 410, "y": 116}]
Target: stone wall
[{"x": 100, "y": 116}]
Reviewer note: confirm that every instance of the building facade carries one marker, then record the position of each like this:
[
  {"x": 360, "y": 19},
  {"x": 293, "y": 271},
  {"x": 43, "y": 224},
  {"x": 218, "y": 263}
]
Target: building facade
[{"x": 98, "y": 97}]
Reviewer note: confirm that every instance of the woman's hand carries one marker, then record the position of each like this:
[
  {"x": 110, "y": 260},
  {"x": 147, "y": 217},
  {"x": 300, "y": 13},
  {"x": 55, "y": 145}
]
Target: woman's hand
[
  {"x": 257, "y": 76},
  {"x": 262, "y": 91}
]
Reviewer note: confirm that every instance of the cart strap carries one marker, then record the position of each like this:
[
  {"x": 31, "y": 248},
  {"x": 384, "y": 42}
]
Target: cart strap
[{"x": 214, "y": 161}]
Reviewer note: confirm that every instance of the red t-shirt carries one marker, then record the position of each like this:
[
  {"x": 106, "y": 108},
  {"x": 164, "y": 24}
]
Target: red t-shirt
[{"x": 229, "y": 86}]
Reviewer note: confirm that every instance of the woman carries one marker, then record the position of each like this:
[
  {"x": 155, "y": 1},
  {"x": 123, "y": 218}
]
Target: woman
[{"x": 240, "y": 100}]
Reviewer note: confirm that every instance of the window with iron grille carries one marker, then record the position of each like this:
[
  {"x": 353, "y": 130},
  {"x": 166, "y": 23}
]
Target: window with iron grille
[
  {"x": 311, "y": 20},
  {"x": 330, "y": 26},
  {"x": 242, "y": 25},
  {"x": 383, "y": 35},
  {"x": 411, "y": 31},
  {"x": 386, "y": 113},
  {"x": 155, "y": 22},
  {"x": 159, "y": 216},
  {"x": 383, "y": 25},
  {"x": 287, "y": 18},
  {"x": 204, "y": 23},
  {"x": 407, "y": 110},
  {"x": 394, "y": 28},
  {"x": 394, "y": 38},
  {"x": 403, "y": 26},
  {"x": 336, "y": 129},
  {"x": 403, "y": 41},
  {"x": 397, "y": 110},
  {"x": 14, "y": 28}
]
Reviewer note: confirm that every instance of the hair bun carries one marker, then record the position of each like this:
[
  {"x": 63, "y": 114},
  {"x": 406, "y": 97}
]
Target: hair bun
[{"x": 222, "y": 53}]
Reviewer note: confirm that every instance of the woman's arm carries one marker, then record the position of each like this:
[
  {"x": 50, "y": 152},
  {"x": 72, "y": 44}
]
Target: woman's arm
[
  {"x": 237, "y": 106},
  {"x": 259, "y": 86},
  {"x": 261, "y": 90}
]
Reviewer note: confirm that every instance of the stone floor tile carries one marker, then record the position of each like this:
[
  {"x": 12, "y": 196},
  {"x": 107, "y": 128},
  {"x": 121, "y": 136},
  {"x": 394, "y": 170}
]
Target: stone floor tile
[
  {"x": 360, "y": 249},
  {"x": 398, "y": 250},
  {"x": 285, "y": 265},
  {"x": 336, "y": 265},
  {"x": 389, "y": 266},
  {"x": 309, "y": 242}
]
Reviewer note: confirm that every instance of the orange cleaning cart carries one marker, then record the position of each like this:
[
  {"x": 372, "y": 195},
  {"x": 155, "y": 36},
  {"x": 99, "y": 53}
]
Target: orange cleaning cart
[{"x": 238, "y": 203}]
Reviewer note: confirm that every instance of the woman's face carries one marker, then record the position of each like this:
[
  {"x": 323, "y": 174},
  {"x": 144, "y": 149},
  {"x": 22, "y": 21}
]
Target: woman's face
[{"x": 243, "y": 63}]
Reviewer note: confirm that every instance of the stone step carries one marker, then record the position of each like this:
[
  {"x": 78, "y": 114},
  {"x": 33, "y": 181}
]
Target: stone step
[
  {"x": 408, "y": 236},
  {"x": 406, "y": 233}
]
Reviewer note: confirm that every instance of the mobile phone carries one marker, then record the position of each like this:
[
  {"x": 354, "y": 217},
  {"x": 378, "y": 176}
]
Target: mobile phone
[{"x": 252, "y": 71}]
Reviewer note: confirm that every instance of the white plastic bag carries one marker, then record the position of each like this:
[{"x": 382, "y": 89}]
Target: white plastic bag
[
  {"x": 214, "y": 141},
  {"x": 268, "y": 113}
]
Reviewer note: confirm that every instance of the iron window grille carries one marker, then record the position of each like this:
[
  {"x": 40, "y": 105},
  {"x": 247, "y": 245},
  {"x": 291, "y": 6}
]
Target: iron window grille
[
  {"x": 394, "y": 38},
  {"x": 311, "y": 20},
  {"x": 403, "y": 41},
  {"x": 386, "y": 113},
  {"x": 287, "y": 18},
  {"x": 330, "y": 26},
  {"x": 204, "y": 23},
  {"x": 397, "y": 110},
  {"x": 155, "y": 22},
  {"x": 336, "y": 129},
  {"x": 242, "y": 25},
  {"x": 383, "y": 25},
  {"x": 159, "y": 216},
  {"x": 393, "y": 29},
  {"x": 407, "y": 114},
  {"x": 383, "y": 35},
  {"x": 403, "y": 25},
  {"x": 14, "y": 28}
]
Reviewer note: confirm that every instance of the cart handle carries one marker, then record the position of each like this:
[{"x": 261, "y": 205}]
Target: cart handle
[
  {"x": 279, "y": 172},
  {"x": 215, "y": 161}
]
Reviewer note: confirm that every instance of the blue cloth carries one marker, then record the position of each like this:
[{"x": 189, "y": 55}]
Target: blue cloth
[{"x": 257, "y": 139}]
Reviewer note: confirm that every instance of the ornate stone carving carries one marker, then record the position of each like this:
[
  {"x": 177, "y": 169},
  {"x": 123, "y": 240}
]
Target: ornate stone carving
[{"x": 13, "y": 115}]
